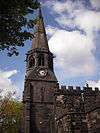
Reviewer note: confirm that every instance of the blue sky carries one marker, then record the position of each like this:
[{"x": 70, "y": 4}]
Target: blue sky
[{"x": 73, "y": 30}]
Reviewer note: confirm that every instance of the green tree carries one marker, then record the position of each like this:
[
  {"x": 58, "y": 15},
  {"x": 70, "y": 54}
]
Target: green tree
[
  {"x": 10, "y": 116},
  {"x": 15, "y": 24}
]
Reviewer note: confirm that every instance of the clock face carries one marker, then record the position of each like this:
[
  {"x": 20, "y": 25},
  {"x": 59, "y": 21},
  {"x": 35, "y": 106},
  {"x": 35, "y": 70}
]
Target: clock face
[{"x": 42, "y": 72}]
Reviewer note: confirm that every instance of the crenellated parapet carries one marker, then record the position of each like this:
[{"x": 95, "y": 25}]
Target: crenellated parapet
[
  {"x": 70, "y": 97},
  {"x": 90, "y": 90},
  {"x": 70, "y": 107},
  {"x": 90, "y": 98},
  {"x": 71, "y": 90},
  {"x": 87, "y": 95},
  {"x": 73, "y": 104},
  {"x": 87, "y": 91}
]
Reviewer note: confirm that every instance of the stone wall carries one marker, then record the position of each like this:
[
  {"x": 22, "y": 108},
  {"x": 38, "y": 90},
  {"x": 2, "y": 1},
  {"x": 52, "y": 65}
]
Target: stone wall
[{"x": 77, "y": 110}]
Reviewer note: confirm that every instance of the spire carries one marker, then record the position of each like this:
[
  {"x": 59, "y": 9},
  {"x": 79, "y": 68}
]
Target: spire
[{"x": 40, "y": 39}]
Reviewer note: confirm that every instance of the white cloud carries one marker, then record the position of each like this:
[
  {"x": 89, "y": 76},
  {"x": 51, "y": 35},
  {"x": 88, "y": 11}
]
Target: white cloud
[
  {"x": 95, "y": 3},
  {"x": 94, "y": 84},
  {"x": 76, "y": 14},
  {"x": 89, "y": 21},
  {"x": 60, "y": 7},
  {"x": 6, "y": 84},
  {"x": 64, "y": 21},
  {"x": 50, "y": 30},
  {"x": 73, "y": 53},
  {"x": 7, "y": 74}
]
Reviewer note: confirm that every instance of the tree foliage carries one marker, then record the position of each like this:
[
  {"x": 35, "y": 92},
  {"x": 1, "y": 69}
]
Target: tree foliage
[
  {"x": 10, "y": 116},
  {"x": 14, "y": 23}
]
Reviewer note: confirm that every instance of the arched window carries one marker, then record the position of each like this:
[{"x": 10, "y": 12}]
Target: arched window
[
  {"x": 31, "y": 61},
  {"x": 41, "y": 60}
]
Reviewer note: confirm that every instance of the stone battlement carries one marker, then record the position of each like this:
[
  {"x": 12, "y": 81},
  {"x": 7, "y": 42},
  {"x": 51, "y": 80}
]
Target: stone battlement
[
  {"x": 89, "y": 96},
  {"x": 79, "y": 89}
]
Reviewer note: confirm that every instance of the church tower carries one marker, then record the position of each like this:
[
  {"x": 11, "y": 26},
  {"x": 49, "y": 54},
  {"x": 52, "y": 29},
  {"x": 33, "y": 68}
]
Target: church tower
[{"x": 40, "y": 85}]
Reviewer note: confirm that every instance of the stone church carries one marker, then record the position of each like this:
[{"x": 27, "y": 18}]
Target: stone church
[{"x": 48, "y": 107}]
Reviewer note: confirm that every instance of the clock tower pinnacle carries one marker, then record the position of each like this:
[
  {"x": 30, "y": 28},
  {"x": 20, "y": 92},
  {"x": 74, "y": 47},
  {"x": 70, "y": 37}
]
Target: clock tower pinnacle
[{"x": 40, "y": 84}]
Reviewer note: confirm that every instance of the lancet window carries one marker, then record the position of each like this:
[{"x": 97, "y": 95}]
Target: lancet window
[
  {"x": 41, "y": 60},
  {"x": 31, "y": 61}
]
